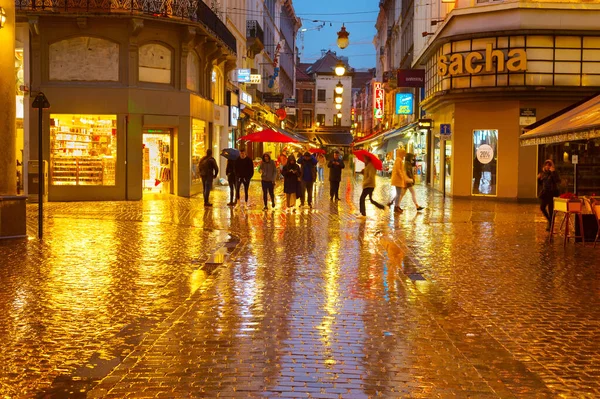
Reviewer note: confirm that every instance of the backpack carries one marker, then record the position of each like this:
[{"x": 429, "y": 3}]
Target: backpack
[{"x": 205, "y": 167}]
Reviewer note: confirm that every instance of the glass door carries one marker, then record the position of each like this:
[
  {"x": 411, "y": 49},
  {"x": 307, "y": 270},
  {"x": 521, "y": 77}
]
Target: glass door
[{"x": 157, "y": 162}]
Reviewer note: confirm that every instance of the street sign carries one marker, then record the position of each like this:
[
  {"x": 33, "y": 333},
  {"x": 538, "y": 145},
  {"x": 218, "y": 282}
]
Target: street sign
[
  {"x": 445, "y": 129},
  {"x": 243, "y": 75},
  {"x": 290, "y": 102},
  {"x": 574, "y": 159}
]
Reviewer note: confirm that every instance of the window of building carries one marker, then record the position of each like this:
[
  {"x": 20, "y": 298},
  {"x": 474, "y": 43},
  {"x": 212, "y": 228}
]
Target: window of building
[
  {"x": 306, "y": 118},
  {"x": 83, "y": 150},
  {"x": 321, "y": 95},
  {"x": 155, "y": 63},
  {"x": 337, "y": 121},
  {"x": 321, "y": 119},
  {"x": 297, "y": 95},
  {"x": 307, "y": 96},
  {"x": 193, "y": 72}
]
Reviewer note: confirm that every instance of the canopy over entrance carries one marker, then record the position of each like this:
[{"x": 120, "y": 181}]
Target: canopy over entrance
[{"x": 581, "y": 122}]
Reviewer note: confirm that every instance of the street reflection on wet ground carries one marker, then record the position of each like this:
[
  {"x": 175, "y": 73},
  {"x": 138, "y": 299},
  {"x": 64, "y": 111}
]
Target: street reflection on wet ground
[{"x": 164, "y": 298}]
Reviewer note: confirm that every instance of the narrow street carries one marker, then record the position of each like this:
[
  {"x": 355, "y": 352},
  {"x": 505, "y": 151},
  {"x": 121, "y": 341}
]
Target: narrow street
[{"x": 164, "y": 298}]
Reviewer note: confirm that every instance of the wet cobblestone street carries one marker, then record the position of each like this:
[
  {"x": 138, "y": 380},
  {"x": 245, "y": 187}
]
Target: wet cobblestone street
[{"x": 164, "y": 298}]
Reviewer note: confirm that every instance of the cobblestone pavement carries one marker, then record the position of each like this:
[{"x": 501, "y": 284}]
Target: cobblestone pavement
[{"x": 162, "y": 298}]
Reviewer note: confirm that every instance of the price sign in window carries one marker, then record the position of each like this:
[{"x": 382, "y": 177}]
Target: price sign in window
[{"x": 485, "y": 162}]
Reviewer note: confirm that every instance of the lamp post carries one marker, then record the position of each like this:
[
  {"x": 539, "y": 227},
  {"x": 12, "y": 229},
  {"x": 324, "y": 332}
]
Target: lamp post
[
  {"x": 339, "y": 88},
  {"x": 41, "y": 103},
  {"x": 340, "y": 68}
]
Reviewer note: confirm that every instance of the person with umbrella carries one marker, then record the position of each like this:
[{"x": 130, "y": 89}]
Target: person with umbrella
[
  {"x": 244, "y": 170},
  {"x": 268, "y": 175},
  {"x": 231, "y": 154},
  {"x": 369, "y": 173}
]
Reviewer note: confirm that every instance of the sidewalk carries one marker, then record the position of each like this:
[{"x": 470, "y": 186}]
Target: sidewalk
[{"x": 164, "y": 298}]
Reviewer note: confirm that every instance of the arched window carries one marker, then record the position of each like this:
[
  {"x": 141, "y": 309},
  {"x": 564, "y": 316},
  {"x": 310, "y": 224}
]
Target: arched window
[
  {"x": 193, "y": 72},
  {"x": 84, "y": 58},
  {"x": 155, "y": 63},
  {"x": 217, "y": 86}
]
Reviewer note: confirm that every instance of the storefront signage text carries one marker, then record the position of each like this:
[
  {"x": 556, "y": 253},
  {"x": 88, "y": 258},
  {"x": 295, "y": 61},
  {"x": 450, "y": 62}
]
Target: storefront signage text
[
  {"x": 476, "y": 62},
  {"x": 234, "y": 115},
  {"x": 404, "y": 103},
  {"x": 245, "y": 98},
  {"x": 243, "y": 75},
  {"x": 255, "y": 78},
  {"x": 485, "y": 154},
  {"x": 378, "y": 100}
]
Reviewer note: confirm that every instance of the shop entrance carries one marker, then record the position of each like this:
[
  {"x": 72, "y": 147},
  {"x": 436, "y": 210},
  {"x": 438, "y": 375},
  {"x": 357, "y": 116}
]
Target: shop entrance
[{"x": 157, "y": 159}]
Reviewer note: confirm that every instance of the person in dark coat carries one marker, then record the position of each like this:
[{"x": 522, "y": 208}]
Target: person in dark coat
[
  {"x": 335, "y": 166},
  {"x": 232, "y": 180},
  {"x": 208, "y": 171},
  {"x": 548, "y": 180},
  {"x": 291, "y": 176},
  {"x": 244, "y": 170},
  {"x": 308, "y": 167}
]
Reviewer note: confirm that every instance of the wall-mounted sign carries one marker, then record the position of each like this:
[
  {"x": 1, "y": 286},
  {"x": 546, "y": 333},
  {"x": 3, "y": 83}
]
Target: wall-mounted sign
[
  {"x": 445, "y": 130},
  {"x": 527, "y": 116},
  {"x": 378, "y": 98},
  {"x": 411, "y": 78},
  {"x": 476, "y": 62},
  {"x": 234, "y": 115},
  {"x": 273, "y": 97},
  {"x": 425, "y": 123},
  {"x": 245, "y": 98},
  {"x": 243, "y": 75},
  {"x": 255, "y": 78},
  {"x": 404, "y": 103},
  {"x": 290, "y": 102}
]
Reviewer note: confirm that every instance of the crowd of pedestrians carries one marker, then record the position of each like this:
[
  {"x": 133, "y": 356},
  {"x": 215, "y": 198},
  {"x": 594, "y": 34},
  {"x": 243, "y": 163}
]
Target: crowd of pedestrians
[{"x": 300, "y": 173}]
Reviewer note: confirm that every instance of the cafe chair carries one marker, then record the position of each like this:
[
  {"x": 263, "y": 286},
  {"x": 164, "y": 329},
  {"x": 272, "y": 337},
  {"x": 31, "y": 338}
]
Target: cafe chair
[
  {"x": 596, "y": 209},
  {"x": 568, "y": 207}
]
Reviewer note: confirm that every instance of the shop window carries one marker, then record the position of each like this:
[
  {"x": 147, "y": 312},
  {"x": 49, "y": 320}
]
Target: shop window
[
  {"x": 84, "y": 59},
  {"x": 485, "y": 162},
  {"x": 193, "y": 72},
  {"x": 540, "y": 41},
  {"x": 321, "y": 95},
  {"x": 155, "y": 63},
  {"x": 567, "y": 80},
  {"x": 83, "y": 150},
  {"x": 337, "y": 121},
  {"x": 199, "y": 146},
  {"x": 217, "y": 86}
]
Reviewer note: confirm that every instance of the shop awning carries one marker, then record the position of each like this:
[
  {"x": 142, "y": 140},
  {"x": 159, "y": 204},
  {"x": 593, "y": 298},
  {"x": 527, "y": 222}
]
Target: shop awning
[
  {"x": 298, "y": 137},
  {"x": 401, "y": 131},
  {"x": 330, "y": 138},
  {"x": 576, "y": 123}
]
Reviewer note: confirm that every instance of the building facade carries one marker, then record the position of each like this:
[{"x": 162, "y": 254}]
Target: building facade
[
  {"x": 305, "y": 98},
  {"x": 483, "y": 88}
]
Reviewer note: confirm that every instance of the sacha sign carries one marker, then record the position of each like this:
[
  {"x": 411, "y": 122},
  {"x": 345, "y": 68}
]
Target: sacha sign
[{"x": 514, "y": 60}]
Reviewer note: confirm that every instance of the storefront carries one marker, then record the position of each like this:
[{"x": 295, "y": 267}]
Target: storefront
[
  {"x": 479, "y": 88},
  {"x": 157, "y": 161}
]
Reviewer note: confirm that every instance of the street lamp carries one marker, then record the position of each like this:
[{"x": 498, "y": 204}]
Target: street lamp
[
  {"x": 340, "y": 69},
  {"x": 342, "y": 40},
  {"x": 339, "y": 115},
  {"x": 338, "y": 99},
  {"x": 338, "y": 106},
  {"x": 339, "y": 88}
]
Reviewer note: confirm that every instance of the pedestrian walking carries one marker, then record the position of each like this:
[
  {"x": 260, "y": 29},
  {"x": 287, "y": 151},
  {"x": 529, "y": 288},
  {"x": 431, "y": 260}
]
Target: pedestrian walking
[
  {"x": 244, "y": 170},
  {"x": 208, "y": 172},
  {"x": 398, "y": 179},
  {"x": 308, "y": 167},
  {"x": 335, "y": 166},
  {"x": 548, "y": 180},
  {"x": 321, "y": 163},
  {"x": 291, "y": 181},
  {"x": 232, "y": 180},
  {"x": 369, "y": 173},
  {"x": 268, "y": 175},
  {"x": 409, "y": 164}
]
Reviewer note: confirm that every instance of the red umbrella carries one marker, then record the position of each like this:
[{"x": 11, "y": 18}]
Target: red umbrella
[
  {"x": 317, "y": 151},
  {"x": 268, "y": 136},
  {"x": 362, "y": 154}
]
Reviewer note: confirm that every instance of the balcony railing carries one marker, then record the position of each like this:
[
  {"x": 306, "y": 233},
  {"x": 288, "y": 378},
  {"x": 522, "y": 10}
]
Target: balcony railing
[
  {"x": 191, "y": 10},
  {"x": 254, "y": 30}
]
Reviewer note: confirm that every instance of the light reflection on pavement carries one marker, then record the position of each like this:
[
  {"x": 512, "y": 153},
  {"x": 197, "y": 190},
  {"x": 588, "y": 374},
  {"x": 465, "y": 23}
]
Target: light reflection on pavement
[{"x": 464, "y": 299}]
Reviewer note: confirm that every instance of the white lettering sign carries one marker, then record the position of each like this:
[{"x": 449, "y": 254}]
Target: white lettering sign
[{"x": 485, "y": 154}]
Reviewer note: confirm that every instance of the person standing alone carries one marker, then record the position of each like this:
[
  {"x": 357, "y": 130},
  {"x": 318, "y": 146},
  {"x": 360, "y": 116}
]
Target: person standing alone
[
  {"x": 335, "y": 176},
  {"x": 268, "y": 175},
  {"x": 208, "y": 171},
  {"x": 244, "y": 170},
  {"x": 321, "y": 162},
  {"x": 549, "y": 180}
]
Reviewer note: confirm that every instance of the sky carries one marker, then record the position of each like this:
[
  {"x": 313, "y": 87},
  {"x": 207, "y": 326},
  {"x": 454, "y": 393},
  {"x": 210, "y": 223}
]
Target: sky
[{"x": 359, "y": 17}]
